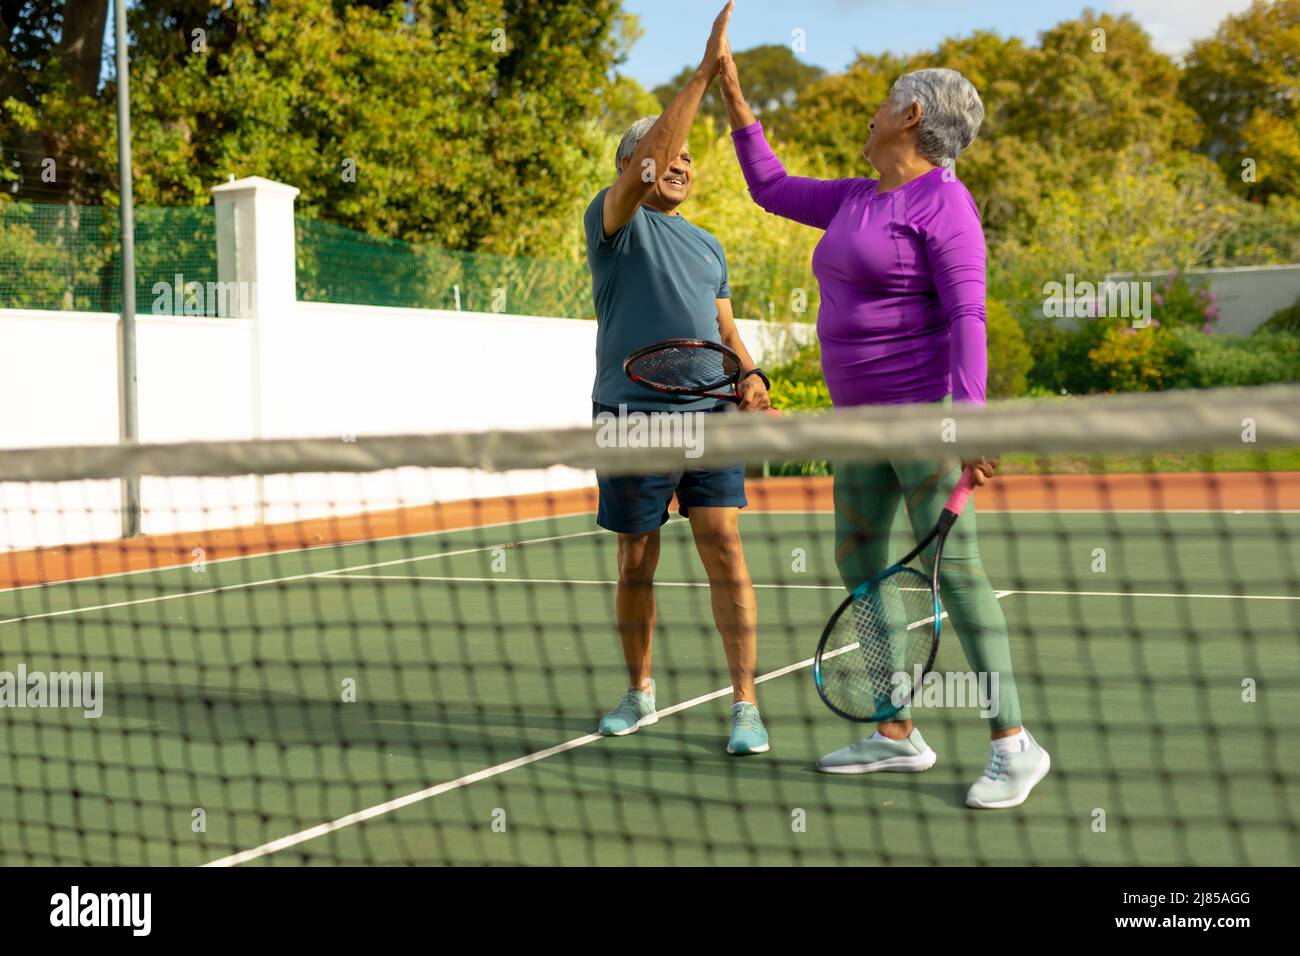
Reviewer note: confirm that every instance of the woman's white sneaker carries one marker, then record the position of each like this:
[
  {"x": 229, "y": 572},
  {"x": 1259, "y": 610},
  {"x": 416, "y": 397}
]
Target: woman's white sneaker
[
  {"x": 1010, "y": 775},
  {"x": 876, "y": 753}
]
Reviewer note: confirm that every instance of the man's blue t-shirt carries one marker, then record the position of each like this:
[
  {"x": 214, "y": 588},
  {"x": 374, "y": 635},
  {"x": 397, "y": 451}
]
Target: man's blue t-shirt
[{"x": 659, "y": 277}]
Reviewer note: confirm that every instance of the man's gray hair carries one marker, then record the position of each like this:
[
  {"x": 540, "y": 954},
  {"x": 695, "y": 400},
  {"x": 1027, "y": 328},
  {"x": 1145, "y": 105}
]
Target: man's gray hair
[
  {"x": 631, "y": 140},
  {"x": 951, "y": 111}
]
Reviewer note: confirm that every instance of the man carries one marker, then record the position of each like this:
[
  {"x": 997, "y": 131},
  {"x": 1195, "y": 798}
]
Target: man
[{"x": 656, "y": 276}]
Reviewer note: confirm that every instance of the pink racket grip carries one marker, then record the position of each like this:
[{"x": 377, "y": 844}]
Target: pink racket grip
[
  {"x": 772, "y": 411},
  {"x": 965, "y": 487}
]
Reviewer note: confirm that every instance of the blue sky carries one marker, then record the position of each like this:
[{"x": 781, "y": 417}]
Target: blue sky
[{"x": 675, "y": 30}]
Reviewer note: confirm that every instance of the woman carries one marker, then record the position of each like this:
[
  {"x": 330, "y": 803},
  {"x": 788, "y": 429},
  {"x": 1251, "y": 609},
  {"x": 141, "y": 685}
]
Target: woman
[{"x": 901, "y": 269}]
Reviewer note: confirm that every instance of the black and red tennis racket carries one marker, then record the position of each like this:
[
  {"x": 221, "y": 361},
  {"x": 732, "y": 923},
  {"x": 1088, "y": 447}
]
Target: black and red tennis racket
[{"x": 689, "y": 367}]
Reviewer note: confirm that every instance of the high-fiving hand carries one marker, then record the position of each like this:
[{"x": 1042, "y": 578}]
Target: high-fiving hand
[
  {"x": 717, "y": 42},
  {"x": 728, "y": 75},
  {"x": 738, "y": 112}
]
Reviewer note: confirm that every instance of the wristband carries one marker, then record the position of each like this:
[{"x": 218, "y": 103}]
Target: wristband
[{"x": 761, "y": 374}]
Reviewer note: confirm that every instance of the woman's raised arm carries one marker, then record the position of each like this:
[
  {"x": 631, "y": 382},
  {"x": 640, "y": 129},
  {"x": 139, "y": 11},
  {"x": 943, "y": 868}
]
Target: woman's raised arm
[{"x": 812, "y": 202}]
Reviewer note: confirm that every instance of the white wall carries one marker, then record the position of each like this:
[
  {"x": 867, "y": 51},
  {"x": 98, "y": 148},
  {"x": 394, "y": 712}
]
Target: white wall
[
  {"x": 311, "y": 370},
  {"x": 287, "y": 369},
  {"x": 58, "y": 385},
  {"x": 58, "y": 378},
  {"x": 1249, "y": 295},
  {"x": 355, "y": 369}
]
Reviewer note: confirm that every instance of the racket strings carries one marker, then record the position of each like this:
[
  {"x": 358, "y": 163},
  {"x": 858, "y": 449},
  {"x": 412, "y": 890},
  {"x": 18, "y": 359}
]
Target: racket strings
[
  {"x": 695, "y": 368},
  {"x": 870, "y": 660}
]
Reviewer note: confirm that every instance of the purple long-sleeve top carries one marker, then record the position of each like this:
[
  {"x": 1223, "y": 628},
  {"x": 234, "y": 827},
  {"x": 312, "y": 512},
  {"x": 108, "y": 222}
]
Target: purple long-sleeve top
[{"x": 902, "y": 277}]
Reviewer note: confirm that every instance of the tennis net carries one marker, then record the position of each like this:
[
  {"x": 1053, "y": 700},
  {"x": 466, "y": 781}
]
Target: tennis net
[{"x": 396, "y": 649}]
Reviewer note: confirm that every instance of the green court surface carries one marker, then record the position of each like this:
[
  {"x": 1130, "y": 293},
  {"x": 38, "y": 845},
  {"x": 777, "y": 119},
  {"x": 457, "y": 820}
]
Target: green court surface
[{"x": 482, "y": 659}]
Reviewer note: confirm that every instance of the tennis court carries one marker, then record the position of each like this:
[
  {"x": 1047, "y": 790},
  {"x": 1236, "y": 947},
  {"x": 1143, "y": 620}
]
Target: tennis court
[{"x": 481, "y": 659}]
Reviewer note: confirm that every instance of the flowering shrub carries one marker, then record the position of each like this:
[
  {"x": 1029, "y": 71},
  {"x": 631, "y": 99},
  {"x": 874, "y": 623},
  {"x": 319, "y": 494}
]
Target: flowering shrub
[
  {"x": 1177, "y": 303},
  {"x": 1136, "y": 360}
]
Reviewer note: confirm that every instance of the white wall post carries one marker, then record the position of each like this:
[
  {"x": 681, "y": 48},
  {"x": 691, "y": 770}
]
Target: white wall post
[
  {"x": 257, "y": 266},
  {"x": 256, "y": 252}
]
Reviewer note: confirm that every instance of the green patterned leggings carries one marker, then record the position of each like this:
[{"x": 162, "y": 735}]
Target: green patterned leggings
[{"x": 868, "y": 499}]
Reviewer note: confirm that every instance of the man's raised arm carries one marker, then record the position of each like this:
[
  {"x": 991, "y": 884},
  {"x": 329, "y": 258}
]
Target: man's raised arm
[{"x": 665, "y": 139}]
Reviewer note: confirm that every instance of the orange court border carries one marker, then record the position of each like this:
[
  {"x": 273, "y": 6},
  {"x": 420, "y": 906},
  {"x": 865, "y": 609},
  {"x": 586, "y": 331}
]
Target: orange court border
[{"x": 1226, "y": 491}]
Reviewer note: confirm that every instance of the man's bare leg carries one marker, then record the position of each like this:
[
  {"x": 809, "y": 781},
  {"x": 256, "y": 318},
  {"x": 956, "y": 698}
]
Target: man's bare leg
[
  {"x": 638, "y": 556},
  {"x": 731, "y": 593}
]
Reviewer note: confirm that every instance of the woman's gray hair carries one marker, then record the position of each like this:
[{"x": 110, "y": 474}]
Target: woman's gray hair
[
  {"x": 951, "y": 111},
  {"x": 631, "y": 140}
]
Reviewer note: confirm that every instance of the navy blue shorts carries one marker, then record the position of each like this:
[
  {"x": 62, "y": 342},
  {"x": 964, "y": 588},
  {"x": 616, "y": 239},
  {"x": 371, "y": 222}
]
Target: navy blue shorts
[{"x": 636, "y": 504}]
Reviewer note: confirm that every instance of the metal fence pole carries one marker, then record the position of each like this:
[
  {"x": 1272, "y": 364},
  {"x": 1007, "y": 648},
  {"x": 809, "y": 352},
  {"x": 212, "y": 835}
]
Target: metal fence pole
[{"x": 130, "y": 431}]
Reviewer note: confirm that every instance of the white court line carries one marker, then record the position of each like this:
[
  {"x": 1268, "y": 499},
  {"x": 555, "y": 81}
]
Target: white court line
[
  {"x": 409, "y": 799},
  {"x": 287, "y": 552},
  {"x": 1158, "y": 594},
  {"x": 239, "y": 586},
  {"x": 379, "y": 809},
  {"x": 500, "y": 580},
  {"x": 808, "y": 587},
  {"x": 748, "y": 516},
  {"x": 753, "y": 514},
  {"x": 398, "y": 803}
]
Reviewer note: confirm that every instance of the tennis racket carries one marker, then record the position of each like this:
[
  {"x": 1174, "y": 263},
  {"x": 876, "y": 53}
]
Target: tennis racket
[
  {"x": 694, "y": 367},
  {"x": 883, "y": 639}
]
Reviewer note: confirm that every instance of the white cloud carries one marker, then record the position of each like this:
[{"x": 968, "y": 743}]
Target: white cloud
[{"x": 1174, "y": 24}]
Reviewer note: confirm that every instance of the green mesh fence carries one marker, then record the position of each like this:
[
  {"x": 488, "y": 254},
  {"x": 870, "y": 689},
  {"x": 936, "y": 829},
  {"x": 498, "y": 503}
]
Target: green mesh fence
[
  {"x": 336, "y": 264},
  {"x": 68, "y": 258}
]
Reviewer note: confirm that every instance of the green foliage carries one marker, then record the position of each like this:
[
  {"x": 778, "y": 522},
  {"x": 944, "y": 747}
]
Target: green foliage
[
  {"x": 1061, "y": 356},
  {"x": 1056, "y": 114},
  {"x": 798, "y": 388},
  {"x": 1268, "y": 234},
  {"x": 343, "y": 265},
  {"x": 36, "y": 271},
  {"x": 1210, "y": 361},
  {"x": 800, "y": 396},
  {"x": 797, "y": 383},
  {"x": 1143, "y": 216},
  {"x": 1108, "y": 354},
  {"x": 836, "y": 110},
  {"x": 1242, "y": 84},
  {"x": 460, "y": 121},
  {"x": 1284, "y": 320},
  {"x": 769, "y": 259},
  {"x": 68, "y": 256},
  {"x": 773, "y": 77},
  {"x": 1177, "y": 350},
  {"x": 1177, "y": 303},
  {"x": 1135, "y": 360},
  {"x": 1009, "y": 357},
  {"x": 624, "y": 101}
]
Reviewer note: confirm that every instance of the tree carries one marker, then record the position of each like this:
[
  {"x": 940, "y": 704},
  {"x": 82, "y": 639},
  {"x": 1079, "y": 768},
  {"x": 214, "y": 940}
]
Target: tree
[
  {"x": 1055, "y": 114},
  {"x": 1140, "y": 217},
  {"x": 50, "y": 53},
  {"x": 1244, "y": 83},
  {"x": 457, "y": 124},
  {"x": 625, "y": 101},
  {"x": 774, "y": 79},
  {"x": 837, "y": 109}
]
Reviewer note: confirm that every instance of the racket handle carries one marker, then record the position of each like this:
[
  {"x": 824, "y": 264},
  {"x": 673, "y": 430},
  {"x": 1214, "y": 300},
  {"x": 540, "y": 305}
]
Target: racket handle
[
  {"x": 772, "y": 411},
  {"x": 965, "y": 487}
]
